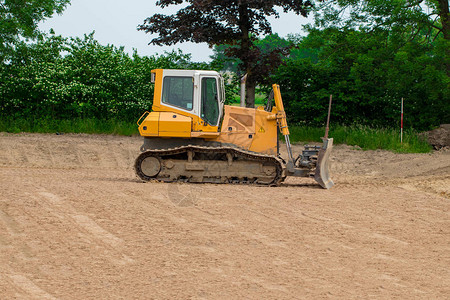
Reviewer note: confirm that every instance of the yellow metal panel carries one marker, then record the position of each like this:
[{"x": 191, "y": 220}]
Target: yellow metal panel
[
  {"x": 157, "y": 92},
  {"x": 265, "y": 137},
  {"x": 197, "y": 123},
  {"x": 251, "y": 129},
  {"x": 240, "y": 139},
  {"x": 205, "y": 135},
  {"x": 173, "y": 124},
  {"x": 238, "y": 126},
  {"x": 170, "y": 134},
  {"x": 150, "y": 126},
  {"x": 202, "y": 126},
  {"x": 238, "y": 119}
]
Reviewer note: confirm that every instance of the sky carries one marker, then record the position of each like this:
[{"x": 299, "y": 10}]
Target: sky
[{"x": 115, "y": 22}]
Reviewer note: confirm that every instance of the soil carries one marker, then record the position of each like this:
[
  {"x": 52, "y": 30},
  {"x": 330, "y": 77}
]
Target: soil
[
  {"x": 76, "y": 223},
  {"x": 440, "y": 137}
]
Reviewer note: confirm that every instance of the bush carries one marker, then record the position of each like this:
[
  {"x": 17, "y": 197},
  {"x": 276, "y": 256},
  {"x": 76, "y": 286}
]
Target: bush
[
  {"x": 61, "y": 78},
  {"x": 365, "y": 137}
]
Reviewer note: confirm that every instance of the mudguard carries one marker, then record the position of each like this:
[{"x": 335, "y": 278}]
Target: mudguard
[{"x": 322, "y": 174}]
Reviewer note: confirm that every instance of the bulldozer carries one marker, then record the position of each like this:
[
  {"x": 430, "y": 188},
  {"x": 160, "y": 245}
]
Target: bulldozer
[{"x": 191, "y": 136}]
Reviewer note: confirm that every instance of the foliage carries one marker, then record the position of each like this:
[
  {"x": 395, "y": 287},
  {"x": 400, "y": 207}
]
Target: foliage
[
  {"x": 368, "y": 69},
  {"x": 368, "y": 63},
  {"x": 423, "y": 21},
  {"x": 78, "y": 125},
  {"x": 271, "y": 48},
  {"x": 236, "y": 23},
  {"x": 79, "y": 78},
  {"x": 366, "y": 138},
  {"x": 19, "y": 19},
  {"x": 382, "y": 14}
]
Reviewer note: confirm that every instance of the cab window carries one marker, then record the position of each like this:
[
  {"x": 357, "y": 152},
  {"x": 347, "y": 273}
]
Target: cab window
[
  {"x": 178, "y": 91},
  {"x": 210, "y": 103}
]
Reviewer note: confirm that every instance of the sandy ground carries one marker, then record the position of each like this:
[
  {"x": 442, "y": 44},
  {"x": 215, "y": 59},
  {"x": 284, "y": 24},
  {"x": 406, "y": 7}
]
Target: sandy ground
[{"x": 75, "y": 223}]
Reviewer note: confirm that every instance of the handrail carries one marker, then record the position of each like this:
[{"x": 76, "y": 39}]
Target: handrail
[{"x": 146, "y": 113}]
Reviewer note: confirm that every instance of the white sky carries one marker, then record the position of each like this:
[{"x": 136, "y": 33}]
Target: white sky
[{"x": 115, "y": 22}]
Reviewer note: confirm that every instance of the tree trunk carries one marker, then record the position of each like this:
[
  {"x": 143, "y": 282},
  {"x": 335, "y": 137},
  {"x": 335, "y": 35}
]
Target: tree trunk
[
  {"x": 250, "y": 93},
  {"x": 445, "y": 18},
  {"x": 246, "y": 45},
  {"x": 444, "y": 13}
]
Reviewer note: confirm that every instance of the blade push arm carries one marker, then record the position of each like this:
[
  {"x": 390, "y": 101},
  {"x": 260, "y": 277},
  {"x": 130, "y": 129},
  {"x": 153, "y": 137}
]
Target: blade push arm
[
  {"x": 321, "y": 174},
  {"x": 282, "y": 121}
]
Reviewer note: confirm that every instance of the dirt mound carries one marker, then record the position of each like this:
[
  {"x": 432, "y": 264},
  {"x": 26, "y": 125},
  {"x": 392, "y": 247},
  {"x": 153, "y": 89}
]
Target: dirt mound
[{"x": 440, "y": 137}]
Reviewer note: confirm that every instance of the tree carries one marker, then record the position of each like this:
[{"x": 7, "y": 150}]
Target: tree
[
  {"x": 21, "y": 18},
  {"x": 271, "y": 50},
  {"x": 407, "y": 20},
  {"x": 232, "y": 22},
  {"x": 65, "y": 78},
  {"x": 368, "y": 74}
]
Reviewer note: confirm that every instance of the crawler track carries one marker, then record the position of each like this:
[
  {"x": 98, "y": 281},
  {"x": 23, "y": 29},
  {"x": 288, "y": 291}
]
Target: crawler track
[{"x": 205, "y": 164}]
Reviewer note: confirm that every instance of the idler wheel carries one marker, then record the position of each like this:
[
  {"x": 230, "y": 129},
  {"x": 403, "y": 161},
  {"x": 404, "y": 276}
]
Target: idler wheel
[{"x": 150, "y": 166}]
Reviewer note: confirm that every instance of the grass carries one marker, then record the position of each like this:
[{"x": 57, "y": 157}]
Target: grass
[
  {"x": 365, "y": 137},
  {"x": 259, "y": 100},
  {"x": 92, "y": 126}
]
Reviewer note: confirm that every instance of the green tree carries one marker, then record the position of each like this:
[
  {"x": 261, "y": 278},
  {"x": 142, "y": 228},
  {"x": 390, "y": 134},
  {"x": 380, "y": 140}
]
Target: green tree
[
  {"x": 66, "y": 78},
  {"x": 271, "y": 50},
  {"x": 217, "y": 22},
  {"x": 368, "y": 74},
  {"x": 19, "y": 19},
  {"x": 405, "y": 20}
]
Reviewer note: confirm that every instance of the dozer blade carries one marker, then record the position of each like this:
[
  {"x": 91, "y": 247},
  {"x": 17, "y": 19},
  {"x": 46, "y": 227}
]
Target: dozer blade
[{"x": 322, "y": 174}]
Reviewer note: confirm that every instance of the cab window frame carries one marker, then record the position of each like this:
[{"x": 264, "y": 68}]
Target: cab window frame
[
  {"x": 217, "y": 99},
  {"x": 165, "y": 98}
]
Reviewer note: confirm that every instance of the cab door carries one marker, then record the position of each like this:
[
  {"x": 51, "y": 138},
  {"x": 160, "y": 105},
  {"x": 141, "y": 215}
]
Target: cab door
[{"x": 210, "y": 100}]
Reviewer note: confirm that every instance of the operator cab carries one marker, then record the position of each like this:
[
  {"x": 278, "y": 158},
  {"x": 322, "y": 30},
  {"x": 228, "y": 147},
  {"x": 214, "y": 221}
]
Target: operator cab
[{"x": 192, "y": 93}]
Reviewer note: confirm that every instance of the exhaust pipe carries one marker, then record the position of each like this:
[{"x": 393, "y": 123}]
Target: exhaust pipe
[{"x": 243, "y": 81}]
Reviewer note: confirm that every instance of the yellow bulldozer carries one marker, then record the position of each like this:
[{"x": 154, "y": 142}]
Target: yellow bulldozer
[{"x": 191, "y": 136}]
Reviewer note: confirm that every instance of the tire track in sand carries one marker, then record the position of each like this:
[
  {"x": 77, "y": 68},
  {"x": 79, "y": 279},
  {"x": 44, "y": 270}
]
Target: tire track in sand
[
  {"x": 64, "y": 211},
  {"x": 82, "y": 221},
  {"x": 10, "y": 223},
  {"x": 24, "y": 284}
]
